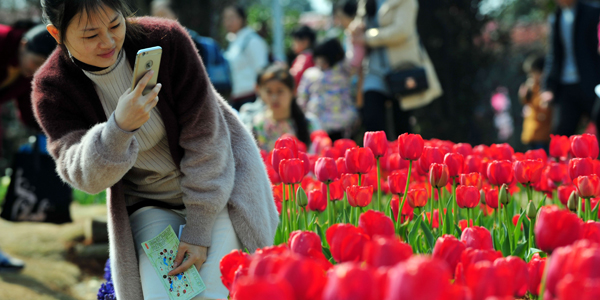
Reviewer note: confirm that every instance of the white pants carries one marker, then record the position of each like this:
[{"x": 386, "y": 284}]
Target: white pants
[{"x": 148, "y": 222}]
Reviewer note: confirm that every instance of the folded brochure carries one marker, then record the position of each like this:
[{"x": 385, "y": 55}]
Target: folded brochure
[{"x": 161, "y": 251}]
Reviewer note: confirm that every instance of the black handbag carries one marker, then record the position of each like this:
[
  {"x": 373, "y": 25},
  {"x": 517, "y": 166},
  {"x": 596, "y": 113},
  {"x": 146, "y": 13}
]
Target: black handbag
[
  {"x": 406, "y": 79},
  {"x": 36, "y": 193}
]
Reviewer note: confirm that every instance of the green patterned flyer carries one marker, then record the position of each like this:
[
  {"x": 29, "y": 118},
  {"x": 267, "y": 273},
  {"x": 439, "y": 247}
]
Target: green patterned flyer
[{"x": 162, "y": 251}]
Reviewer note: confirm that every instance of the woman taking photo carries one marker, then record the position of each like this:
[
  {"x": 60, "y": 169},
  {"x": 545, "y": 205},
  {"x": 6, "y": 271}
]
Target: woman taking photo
[{"x": 177, "y": 155}]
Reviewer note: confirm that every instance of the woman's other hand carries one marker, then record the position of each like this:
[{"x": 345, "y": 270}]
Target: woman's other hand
[
  {"x": 133, "y": 109},
  {"x": 196, "y": 255}
]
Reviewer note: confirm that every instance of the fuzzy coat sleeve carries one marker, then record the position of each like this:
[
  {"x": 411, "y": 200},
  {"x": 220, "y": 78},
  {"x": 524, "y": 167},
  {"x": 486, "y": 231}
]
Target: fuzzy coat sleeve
[
  {"x": 207, "y": 164},
  {"x": 90, "y": 160}
]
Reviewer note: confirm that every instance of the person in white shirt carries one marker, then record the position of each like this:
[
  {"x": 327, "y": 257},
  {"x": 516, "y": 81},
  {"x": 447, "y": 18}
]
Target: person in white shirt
[{"x": 247, "y": 54}]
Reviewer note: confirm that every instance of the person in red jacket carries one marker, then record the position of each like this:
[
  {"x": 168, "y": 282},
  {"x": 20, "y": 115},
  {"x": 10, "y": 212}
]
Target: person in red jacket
[{"x": 303, "y": 41}]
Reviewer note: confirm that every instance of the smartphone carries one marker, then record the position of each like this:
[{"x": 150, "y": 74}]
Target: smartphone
[{"x": 146, "y": 60}]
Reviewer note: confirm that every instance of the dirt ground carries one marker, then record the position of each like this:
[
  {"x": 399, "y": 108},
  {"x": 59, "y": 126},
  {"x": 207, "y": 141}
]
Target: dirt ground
[{"x": 53, "y": 270}]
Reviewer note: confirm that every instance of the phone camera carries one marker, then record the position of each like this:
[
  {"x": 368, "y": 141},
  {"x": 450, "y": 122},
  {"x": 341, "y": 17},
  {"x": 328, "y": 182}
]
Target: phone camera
[{"x": 149, "y": 64}]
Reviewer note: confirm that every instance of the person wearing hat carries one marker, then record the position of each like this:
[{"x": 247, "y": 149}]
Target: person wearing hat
[{"x": 22, "y": 53}]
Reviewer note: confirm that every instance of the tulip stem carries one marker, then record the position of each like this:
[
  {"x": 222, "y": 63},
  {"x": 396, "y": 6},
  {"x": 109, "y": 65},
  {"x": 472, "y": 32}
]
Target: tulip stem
[
  {"x": 544, "y": 277},
  {"x": 454, "y": 203},
  {"x": 378, "y": 185},
  {"x": 440, "y": 211},
  {"x": 359, "y": 179},
  {"x": 291, "y": 208},
  {"x": 404, "y": 198},
  {"x": 530, "y": 240},
  {"x": 432, "y": 204},
  {"x": 468, "y": 217},
  {"x": 579, "y": 208},
  {"x": 305, "y": 213},
  {"x": 284, "y": 218},
  {"x": 329, "y": 209},
  {"x": 588, "y": 209}
]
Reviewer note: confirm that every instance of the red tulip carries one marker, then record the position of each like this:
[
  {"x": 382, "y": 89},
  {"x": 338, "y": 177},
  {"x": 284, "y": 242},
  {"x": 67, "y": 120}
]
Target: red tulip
[
  {"x": 346, "y": 242},
  {"x": 418, "y": 278},
  {"x": 229, "y": 265},
  {"x": 519, "y": 273},
  {"x": 344, "y": 144},
  {"x": 306, "y": 277},
  {"x": 591, "y": 231},
  {"x": 326, "y": 169},
  {"x": 267, "y": 264},
  {"x": 559, "y": 146},
  {"x": 407, "y": 210},
  {"x": 273, "y": 175},
  {"x": 564, "y": 192},
  {"x": 462, "y": 224},
  {"x": 470, "y": 257},
  {"x": 341, "y": 165},
  {"x": 467, "y": 196},
  {"x": 291, "y": 170},
  {"x": 585, "y": 145},
  {"x": 350, "y": 281},
  {"x": 487, "y": 281},
  {"x": 587, "y": 186},
  {"x": 318, "y": 134},
  {"x": 332, "y": 153},
  {"x": 528, "y": 171},
  {"x": 386, "y": 251},
  {"x": 455, "y": 163},
  {"x": 317, "y": 201},
  {"x": 500, "y": 172},
  {"x": 370, "y": 179},
  {"x": 375, "y": 223},
  {"x": 449, "y": 249},
  {"x": 376, "y": 141},
  {"x": 535, "y": 269},
  {"x": 557, "y": 172},
  {"x": 410, "y": 146},
  {"x": 359, "y": 160},
  {"x": 336, "y": 192},
  {"x": 289, "y": 143},
  {"x": 348, "y": 180},
  {"x": 580, "y": 167},
  {"x": 436, "y": 218},
  {"x": 473, "y": 164},
  {"x": 538, "y": 154},
  {"x": 250, "y": 288},
  {"x": 397, "y": 182},
  {"x": 438, "y": 175},
  {"x": 304, "y": 158},
  {"x": 308, "y": 244},
  {"x": 417, "y": 198},
  {"x": 359, "y": 196},
  {"x": 580, "y": 261},
  {"x": 580, "y": 289},
  {"x": 471, "y": 179},
  {"x": 477, "y": 237},
  {"x": 395, "y": 162},
  {"x": 430, "y": 155},
  {"x": 556, "y": 228},
  {"x": 502, "y": 151},
  {"x": 463, "y": 148},
  {"x": 278, "y": 155}
]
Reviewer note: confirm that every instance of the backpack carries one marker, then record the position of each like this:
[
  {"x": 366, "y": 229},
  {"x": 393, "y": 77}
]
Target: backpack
[{"x": 215, "y": 63}]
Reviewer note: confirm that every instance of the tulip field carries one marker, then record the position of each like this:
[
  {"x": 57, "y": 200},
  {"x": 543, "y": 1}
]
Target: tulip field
[{"x": 427, "y": 219}]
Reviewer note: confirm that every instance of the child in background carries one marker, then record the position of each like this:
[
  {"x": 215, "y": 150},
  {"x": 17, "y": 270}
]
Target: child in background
[
  {"x": 537, "y": 115},
  {"x": 303, "y": 41},
  {"x": 281, "y": 114},
  {"x": 324, "y": 90}
]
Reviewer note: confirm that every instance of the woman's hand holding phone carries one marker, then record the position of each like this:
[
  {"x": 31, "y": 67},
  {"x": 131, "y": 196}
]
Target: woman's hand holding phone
[{"x": 133, "y": 109}]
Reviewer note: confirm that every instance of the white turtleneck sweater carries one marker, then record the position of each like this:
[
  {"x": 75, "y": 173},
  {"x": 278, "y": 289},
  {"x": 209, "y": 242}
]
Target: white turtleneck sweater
[{"x": 154, "y": 174}]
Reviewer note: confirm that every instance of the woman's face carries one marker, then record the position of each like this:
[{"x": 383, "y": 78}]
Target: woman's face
[
  {"x": 97, "y": 38},
  {"x": 232, "y": 21},
  {"x": 277, "y": 96}
]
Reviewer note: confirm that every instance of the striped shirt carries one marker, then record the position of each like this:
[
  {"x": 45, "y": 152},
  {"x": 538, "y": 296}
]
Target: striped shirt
[{"x": 154, "y": 174}]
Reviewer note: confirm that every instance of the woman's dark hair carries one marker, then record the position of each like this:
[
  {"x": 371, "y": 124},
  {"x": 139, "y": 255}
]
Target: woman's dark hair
[
  {"x": 348, "y": 7},
  {"x": 331, "y": 50},
  {"x": 60, "y": 13},
  {"x": 305, "y": 33},
  {"x": 535, "y": 63},
  {"x": 279, "y": 73},
  {"x": 371, "y": 8},
  {"x": 239, "y": 10}
]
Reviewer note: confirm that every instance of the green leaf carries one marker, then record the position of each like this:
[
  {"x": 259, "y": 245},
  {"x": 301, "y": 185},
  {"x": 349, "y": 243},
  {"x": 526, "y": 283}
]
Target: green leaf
[
  {"x": 496, "y": 239},
  {"x": 478, "y": 220},
  {"x": 327, "y": 253},
  {"x": 313, "y": 221},
  {"x": 457, "y": 231},
  {"x": 412, "y": 236},
  {"x": 320, "y": 233},
  {"x": 428, "y": 237},
  {"x": 595, "y": 212},
  {"x": 278, "y": 236},
  {"x": 517, "y": 233},
  {"x": 506, "y": 248},
  {"x": 520, "y": 250}
]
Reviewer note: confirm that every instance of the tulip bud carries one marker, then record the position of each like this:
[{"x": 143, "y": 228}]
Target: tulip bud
[
  {"x": 572, "y": 203},
  {"x": 482, "y": 195},
  {"x": 531, "y": 210},
  {"x": 503, "y": 194},
  {"x": 301, "y": 197}
]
